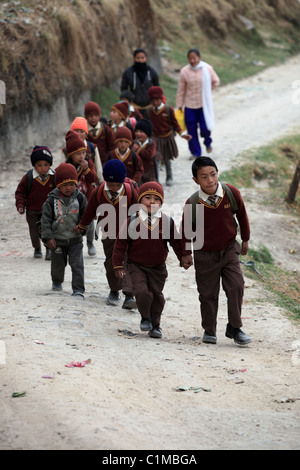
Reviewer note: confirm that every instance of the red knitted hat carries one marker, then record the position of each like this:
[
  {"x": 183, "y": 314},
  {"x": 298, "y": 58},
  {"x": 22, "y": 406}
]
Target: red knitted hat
[
  {"x": 74, "y": 143},
  {"x": 80, "y": 123},
  {"x": 122, "y": 109},
  {"x": 92, "y": 107},
  {"x": 123, "y": 133},
  {"x": 65, "y": 173},
  {"x": 155, "y": 92},
  {"x": 152, "y": 187}
]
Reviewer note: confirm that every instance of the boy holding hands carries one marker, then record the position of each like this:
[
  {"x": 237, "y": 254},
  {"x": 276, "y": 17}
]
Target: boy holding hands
[
  {"x": 61, "y": 212},
  {"x": 219, "y": 255},
  {"x": 147, "y": 254}
]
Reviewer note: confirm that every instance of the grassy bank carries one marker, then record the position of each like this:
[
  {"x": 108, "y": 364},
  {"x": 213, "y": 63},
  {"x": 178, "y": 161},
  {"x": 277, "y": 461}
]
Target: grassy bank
[
  {"x": 269, "y": 170},
  {"x": 273, "y": 168}
]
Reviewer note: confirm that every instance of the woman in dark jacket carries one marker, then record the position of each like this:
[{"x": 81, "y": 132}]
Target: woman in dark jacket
[{"x": 138, "y": 79}]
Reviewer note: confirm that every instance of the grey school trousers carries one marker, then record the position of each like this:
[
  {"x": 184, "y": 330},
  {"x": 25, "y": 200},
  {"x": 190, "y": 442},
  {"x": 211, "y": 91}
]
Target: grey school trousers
[
  {"x": 210, "y": 267},
  {"x": 59, "y": 260}
]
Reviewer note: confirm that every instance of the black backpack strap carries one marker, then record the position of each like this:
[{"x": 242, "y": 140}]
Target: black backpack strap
[{"x": 29, "y": 179}]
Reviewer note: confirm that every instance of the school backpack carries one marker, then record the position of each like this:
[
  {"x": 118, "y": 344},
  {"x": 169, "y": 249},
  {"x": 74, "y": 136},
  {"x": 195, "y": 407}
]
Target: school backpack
[{"x": 233, "y": 204}]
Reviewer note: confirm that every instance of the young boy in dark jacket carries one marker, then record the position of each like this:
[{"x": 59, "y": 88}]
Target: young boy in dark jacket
[
  {"x": 61, "y": 213},
  {"x": 124, "y": 153},
  {"x": 218, "y": 256},
  {"x": 32, "y": 192}
]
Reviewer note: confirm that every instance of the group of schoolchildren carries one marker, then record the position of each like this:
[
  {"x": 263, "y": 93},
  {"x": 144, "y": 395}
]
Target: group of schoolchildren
[{"x": 113, "y": 165}]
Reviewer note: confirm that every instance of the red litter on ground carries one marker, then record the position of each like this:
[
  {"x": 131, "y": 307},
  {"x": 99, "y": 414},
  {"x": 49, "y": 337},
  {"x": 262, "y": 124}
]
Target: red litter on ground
[{"x": 78, "y": 364}]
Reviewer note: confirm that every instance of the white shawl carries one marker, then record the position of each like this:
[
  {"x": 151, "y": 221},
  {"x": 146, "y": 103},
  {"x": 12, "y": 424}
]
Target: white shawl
[{"x": 207, "y": 101}]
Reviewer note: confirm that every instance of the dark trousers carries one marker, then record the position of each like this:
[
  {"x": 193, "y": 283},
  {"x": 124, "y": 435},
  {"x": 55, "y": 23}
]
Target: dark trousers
[
  {"x": 193, "y": 119},
  {"x": 114, "y": 283},
  {"x": 148, "y": 284},
  {"x": 210, "y": 267},
  {"x": 32, "y": 218},
  {"x": 59, "y": 260}
]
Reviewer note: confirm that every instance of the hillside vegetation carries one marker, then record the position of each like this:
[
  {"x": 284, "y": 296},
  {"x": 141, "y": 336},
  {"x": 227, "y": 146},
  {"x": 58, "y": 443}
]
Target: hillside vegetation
[
  {"x": 65, "y": 47},
  {"x": 48, "y": 48}
]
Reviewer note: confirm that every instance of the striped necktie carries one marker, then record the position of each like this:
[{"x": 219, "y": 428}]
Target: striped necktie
[
  {"x": 114, "y": 196},
  {"x": 212, "y": 199},
  {"x": 93, "y": 132}
]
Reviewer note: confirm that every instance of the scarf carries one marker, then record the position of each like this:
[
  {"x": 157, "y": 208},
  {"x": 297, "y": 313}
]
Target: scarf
[
  {"x": 140, "y": 69},
  {"x": 207, "y": 101}
]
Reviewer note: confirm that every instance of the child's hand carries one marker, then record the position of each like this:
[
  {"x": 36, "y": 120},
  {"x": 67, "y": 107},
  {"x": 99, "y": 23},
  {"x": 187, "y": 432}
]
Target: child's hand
[
  {"x": 84, "y": 164},
  {"x": 186, "y": 261},
  {"x": 186, "y": 136},
  {"x": 21, "y": 209},
  {"x": 51, "y": 244},
  {"x": 119, "y": 273},
  {"x": 244, "y": 248},
  {"x": 135, "y": 147},
  {"x": 78, "y": 229}
]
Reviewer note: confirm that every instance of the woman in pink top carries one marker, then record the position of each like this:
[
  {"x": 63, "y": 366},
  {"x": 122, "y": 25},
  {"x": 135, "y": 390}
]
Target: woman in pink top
[{"x": 196, "y": 82}]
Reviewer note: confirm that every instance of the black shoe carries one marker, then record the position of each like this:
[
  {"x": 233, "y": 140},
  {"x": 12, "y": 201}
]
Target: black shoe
[
  {"x": 129, "y": 302},
  {"x": 38, "y": 253},
  {"x": 145, "y": 324},
  {"x": 155, "y": 332},
  {"x": 210, "y": 339},
  {"x": 237, "y": 335},
  {"x": 113, "y": 298},
  {"x": 56, "y": 286}
]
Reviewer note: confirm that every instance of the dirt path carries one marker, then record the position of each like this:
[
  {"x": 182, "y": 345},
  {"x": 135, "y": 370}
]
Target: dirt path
[{"x": 126, "y": 398}]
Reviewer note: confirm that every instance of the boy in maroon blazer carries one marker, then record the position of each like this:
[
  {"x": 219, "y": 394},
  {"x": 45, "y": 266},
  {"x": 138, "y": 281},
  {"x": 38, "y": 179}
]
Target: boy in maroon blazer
[
  {"x": 32, "y": 192},
  {"x": 218, "y": 257},
  {"x": 123, "y": 152},
  {"x": 112, "y": 199},
  {"x": 99, "y": 133},
  {"x": 145, "y": 147},
  {"x": 142, "y": 240}
]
